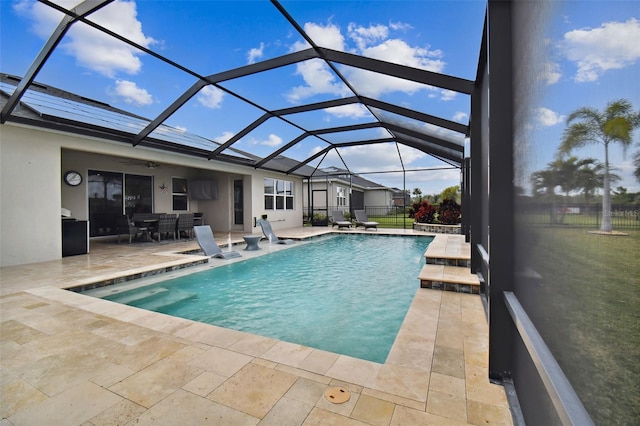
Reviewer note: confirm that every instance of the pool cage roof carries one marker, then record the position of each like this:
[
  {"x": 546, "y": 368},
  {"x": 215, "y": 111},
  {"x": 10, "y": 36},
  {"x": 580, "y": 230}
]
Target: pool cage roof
[{"x": 378, "y": 121}]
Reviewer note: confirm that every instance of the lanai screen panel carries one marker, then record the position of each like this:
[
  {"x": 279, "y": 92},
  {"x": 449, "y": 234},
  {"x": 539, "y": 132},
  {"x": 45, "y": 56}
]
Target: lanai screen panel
[
  {"x": 357, "y": 135},
  {"x": 212, "y": 25},
  {"x": 267, "y": 137},
  {"x": 157, "y": 83},
  {"x": 344, "y": 115},
  {"x": 446, "y": 135},
  {"x": 285, "y": 86},
  {"x": 221, "y": 115}
]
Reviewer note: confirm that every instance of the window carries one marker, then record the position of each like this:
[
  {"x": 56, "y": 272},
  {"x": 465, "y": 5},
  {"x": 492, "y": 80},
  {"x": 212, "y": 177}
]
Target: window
[
  {"x": 278, "y": 194},
  {"x": 341, "y": 200},
  {"x": 180, "y": 194}
]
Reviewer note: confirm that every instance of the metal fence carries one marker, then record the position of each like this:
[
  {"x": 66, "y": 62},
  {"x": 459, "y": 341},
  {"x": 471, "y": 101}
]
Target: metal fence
[
  {"x": 386, "y": 216},
  {"x": 623, "y": 216}
]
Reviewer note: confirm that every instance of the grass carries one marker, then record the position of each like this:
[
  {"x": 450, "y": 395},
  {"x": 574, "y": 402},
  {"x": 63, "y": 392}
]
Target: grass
[
  {"x": 393, "y": 221},
  {"x": 626, "y": 221},
  {"x": 586, "y": 306}
]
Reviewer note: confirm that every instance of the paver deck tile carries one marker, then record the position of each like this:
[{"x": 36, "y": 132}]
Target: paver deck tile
[{"x": 71, "y": 359}]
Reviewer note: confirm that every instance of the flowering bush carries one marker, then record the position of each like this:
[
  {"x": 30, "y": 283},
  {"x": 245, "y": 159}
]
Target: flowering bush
[
  {"x": 449, "y": 212},
  {"x": 424, "y": 212}
]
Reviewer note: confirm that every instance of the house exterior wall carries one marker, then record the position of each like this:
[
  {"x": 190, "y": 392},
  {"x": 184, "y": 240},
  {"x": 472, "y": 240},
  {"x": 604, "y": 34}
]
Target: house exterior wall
[
  {"x": 32, "y": 193},
  {"x": 378, "y": 198},
  {"x": 30, "y": 226},
  {"x": 279, "y": 219},
  {"x": 320, "y": 201}
]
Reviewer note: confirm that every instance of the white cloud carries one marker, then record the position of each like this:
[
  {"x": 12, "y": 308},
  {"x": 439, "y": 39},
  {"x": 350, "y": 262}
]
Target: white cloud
[
  {"x": 255, "y": 53},
  {"x": 210, "y": 97},
  {"x": 131, "y": 93},
  {"x": 448, "y": 95},
  {"x": 399, "y": 52},
  {"x": 547, "y": 117},
  {"x": 365, "y": 36},
  {"x": 324, "y": 36},
  {"x": 272, "y": 141},
  {"x": 399, "y": 26},
  {"x": 461, "y": 117},
  {"x": 371, "y": 158},
  {"x": 550, "y": 73},
  {"x": 613, "y": 45},
  {"x": 318, "y": 78},
  {"x": 90, "y": 48},
  {"x": 225, "y": 136},
  {"x": 371, "y": 42},
  {"x": 349, "y": 111}
]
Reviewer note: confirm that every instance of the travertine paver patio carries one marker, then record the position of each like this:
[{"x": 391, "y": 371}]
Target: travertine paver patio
[{"x": 70, "y": 359}]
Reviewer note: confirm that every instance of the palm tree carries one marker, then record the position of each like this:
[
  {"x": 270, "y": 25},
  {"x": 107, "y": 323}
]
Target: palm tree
[
  {"x": 544, "y": 183},
  {"x": 417, "y": 192},
  {"x": 587, "y": 125},
  {"x": 591, "y": 177},
  {"x": 636, "y": 163}
]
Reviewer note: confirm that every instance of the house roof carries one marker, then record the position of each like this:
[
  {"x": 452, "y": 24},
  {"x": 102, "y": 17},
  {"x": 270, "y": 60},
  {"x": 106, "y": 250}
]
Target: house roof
[
  {"x": 25, "y": 100},
  {"x": 345, "y": 176}
]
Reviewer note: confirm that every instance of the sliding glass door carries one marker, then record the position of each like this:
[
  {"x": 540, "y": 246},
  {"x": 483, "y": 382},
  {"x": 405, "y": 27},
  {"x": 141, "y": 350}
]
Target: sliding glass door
[{"x": 112, "y": 194}]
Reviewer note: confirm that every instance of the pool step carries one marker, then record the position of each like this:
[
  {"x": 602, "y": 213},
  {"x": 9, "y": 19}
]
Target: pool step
[
  {"x": 167, "y": 300},
  {"x": 448, "y": 266},
  {"x": 153, "y": 299},
  {"x": 138, "y": 296},
  {"x": 449, "y": 278},
  {"x": 450, "y": 250}
]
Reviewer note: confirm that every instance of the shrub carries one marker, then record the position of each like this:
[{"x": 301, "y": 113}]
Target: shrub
[
  {"x": 449, "y": 212},
  {"x": 424, "y": 212}
]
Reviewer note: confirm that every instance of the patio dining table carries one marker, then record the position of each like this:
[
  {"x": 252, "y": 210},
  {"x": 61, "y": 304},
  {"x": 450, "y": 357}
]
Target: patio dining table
[{"x": 147, "y": 227}]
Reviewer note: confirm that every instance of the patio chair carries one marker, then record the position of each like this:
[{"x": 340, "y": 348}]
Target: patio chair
[
  {"x": 268, "y": 232},
  {"x": 185, "y": 224},
  {"x": 337, "y": 219},
  {"x": 127, "y": 227},
  {"x": 166, "y": 225},
  {"x": 208, "y": 244},
  {"x": 363, "y": 220}
]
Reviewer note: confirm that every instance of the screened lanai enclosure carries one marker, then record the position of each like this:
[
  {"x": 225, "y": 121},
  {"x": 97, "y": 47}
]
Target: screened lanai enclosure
[
  {"x": 295, "y": 97},
  {"x": 341, "y": 124}
]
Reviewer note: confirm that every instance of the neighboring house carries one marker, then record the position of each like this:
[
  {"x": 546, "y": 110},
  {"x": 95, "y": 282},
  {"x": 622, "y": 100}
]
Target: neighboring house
[
  {"x": 401, "y": 198},
  {"x": 57, "y": 132},
  {"x": 333, "y": 188}
]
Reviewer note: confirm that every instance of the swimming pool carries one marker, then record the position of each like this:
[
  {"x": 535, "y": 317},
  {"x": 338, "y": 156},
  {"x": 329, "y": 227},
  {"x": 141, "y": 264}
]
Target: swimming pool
[{"x": 344, "y": 293}]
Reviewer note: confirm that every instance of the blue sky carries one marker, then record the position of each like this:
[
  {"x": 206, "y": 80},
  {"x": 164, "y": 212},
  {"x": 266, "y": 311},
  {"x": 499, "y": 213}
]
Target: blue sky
[{"x": 593, "y": 58}]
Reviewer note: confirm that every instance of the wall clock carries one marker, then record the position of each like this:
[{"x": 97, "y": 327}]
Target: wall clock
[{"x": 72, "y": 178}]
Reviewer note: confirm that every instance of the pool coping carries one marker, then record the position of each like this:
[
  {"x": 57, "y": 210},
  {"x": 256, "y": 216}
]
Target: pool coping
[
  {"x": 404, "y": 359},
  {"x": 397, "y": 354}
]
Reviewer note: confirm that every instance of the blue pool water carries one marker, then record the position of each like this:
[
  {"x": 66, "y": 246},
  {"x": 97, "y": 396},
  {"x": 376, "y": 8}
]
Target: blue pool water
[{"x": 346, "y": 293}]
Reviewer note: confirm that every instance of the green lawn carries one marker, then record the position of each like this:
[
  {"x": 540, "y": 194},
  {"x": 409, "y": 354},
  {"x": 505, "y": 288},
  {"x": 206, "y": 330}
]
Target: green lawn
[
  {"x": 626, "y": 221},
  {"x": 393, "y": 221},
  {"x": 588, "y": 311}
]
